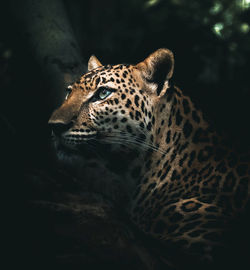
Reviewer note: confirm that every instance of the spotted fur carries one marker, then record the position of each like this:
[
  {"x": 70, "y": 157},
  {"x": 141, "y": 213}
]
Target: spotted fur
[{"x": 189, "y": 182}]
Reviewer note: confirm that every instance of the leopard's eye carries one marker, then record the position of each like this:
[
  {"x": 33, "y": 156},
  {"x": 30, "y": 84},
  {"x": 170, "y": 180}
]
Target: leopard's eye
[
  {"x": 68, "y": 92},
  {"x": 104, "y": 93}
]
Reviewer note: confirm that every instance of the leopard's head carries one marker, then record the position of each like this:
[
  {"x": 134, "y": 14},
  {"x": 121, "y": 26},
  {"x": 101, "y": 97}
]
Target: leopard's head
[{"x": 114, "y": 103}]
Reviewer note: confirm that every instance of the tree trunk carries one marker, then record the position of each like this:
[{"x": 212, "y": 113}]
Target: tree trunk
[{"x": 52, "y": 42}]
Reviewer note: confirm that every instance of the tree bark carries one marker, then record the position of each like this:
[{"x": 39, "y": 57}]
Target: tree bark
[{"x": 52, "y": 42}]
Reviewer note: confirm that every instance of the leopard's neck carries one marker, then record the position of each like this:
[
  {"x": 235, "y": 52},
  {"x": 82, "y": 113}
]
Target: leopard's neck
[
  {"x": 179, "y": 128},
  {"x": 183, "y": 142},
  {"x": 184, "y": 127}
]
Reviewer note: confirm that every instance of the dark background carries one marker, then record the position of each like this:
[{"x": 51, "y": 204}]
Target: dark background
[{"x": 211, "y": 44}]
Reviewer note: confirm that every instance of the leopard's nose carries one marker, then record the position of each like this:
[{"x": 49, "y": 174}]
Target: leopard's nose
[{"x": 59, "y": 127}]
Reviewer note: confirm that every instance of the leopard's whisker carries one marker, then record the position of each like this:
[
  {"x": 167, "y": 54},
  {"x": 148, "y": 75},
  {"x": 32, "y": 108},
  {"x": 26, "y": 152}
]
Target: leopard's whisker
[{"x": 139, "y": 142}]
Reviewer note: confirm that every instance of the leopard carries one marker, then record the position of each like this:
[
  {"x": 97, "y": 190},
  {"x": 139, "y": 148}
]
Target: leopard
[{"x": 188, "y": 182}]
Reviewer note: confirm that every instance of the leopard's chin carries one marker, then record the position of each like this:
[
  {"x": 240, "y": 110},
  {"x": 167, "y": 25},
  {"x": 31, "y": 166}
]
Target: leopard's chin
[{"x": 66, "y": 152}]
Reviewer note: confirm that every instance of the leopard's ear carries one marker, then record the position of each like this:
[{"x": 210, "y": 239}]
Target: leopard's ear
[
  {"x": 93, "y": 63},
  {"x": 157, "y": 69}
]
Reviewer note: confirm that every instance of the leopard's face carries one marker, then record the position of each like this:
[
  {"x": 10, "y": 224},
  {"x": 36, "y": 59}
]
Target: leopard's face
[
  {"x": 106, "y": 104},
  {"x": 111, "y": 104}
]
